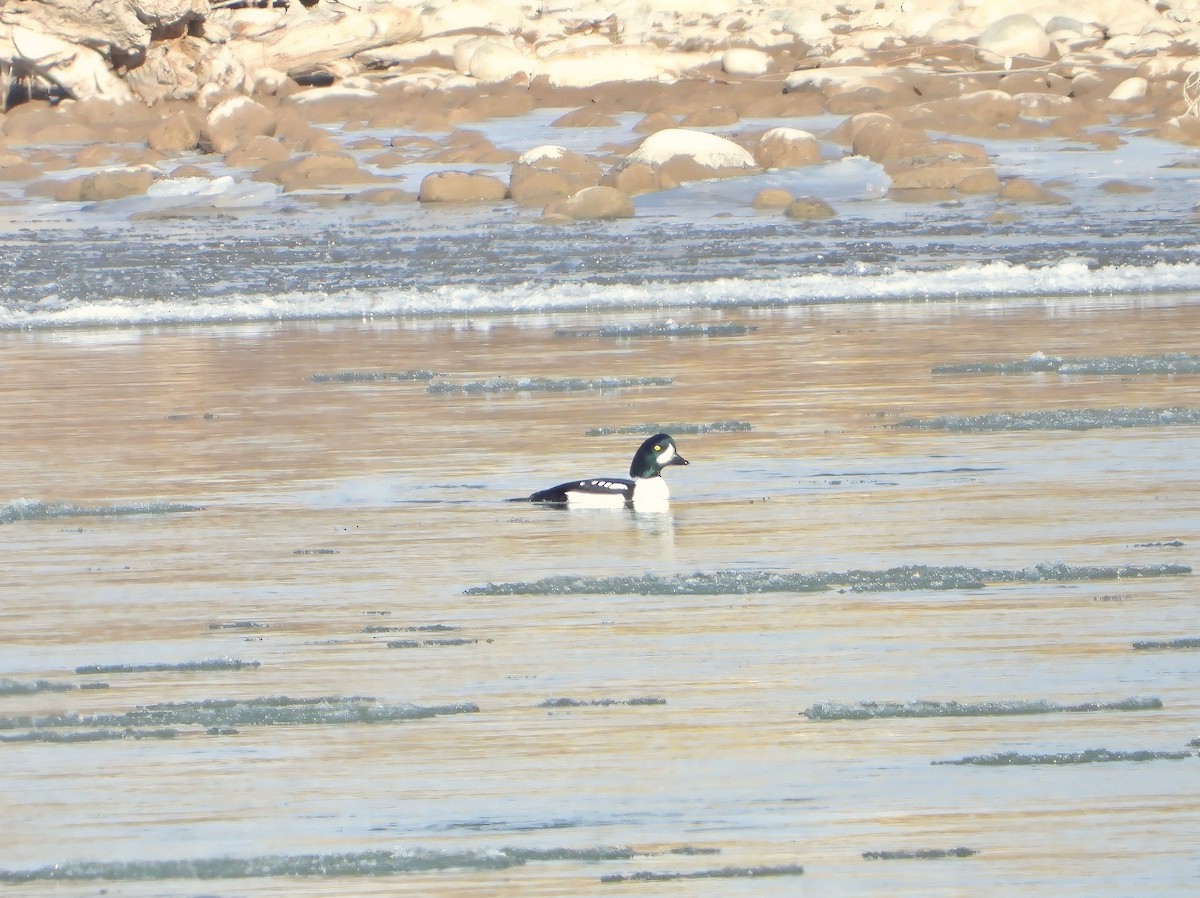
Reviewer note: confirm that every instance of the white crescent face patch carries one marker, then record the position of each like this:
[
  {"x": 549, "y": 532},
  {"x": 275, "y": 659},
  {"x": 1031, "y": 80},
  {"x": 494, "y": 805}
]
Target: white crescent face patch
[{"x": 664, "y": 457}]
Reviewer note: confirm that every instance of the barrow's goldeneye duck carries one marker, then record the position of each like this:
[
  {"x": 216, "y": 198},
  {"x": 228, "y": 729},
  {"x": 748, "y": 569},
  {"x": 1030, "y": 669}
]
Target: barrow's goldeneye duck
[{"x": 647, "y": 490}]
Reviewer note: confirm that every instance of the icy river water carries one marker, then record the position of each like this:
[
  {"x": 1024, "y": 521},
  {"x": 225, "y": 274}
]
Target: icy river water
[
  {"x": 197, "y": 494},
  {"x": 920, "y": 621}
]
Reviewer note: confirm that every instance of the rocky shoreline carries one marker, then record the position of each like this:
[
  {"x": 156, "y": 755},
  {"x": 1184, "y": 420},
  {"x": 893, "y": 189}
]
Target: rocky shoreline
[{"x": 174, "y": 89}]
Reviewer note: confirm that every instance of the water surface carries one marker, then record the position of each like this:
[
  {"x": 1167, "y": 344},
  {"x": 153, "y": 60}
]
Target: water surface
[{"x": 233, "y": 508}]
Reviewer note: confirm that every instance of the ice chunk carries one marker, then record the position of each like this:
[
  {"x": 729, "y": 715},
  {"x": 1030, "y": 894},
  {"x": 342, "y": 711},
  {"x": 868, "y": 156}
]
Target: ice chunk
[
  {"x": 1171, "y": 363},
  {"x": 34, "y": 509},
  {"x": 877, "y": 710},
  {"x": 661, "y": 329},
  {"x": 74, "y": 736},
  {"x": 1089, "y": 756},
  {"x": 1186, "y": 642},
  {"x": 722, "y": 873},
  {"x": 207, "y": 664},
  {"x": 687, "y": 429},
  {"x": 354, "y": 377},
  {"x": 912, "y": 577},
  {"x": 599, "y": 702},
  {"x": 919, "y": 854},
  {"x": 29, "y": 687},
  {"x": 547, "y": 384},
  {"x": 1059, "y": 419},
  {"x": 274, "y": 710}
]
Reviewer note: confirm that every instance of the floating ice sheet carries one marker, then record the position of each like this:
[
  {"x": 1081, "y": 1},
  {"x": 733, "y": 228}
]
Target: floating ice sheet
[
  {"x": 676, "y": 429},
  {"x": 662, "y": 329},
  {"x": 359, "y": 377},
  {"x": 354, "y": 863},
  {"x": 414, "y": 643},
  {"x": 547, "y": 384},
  {"x": 418, "y": 628},
  {"x": 238, "y": 625},
  {"x": 896, "y": 579},
  {"x": 600, "y": 702},
  {"x": 274, "y": 710},
  {"x": 921, "y": 854},
  {"x": 35, "y": 509},
  {"x": 721, "y": 873},
  {"x": 1088, "y": 756},
  {"x": 1171, "y": 363},
  {"x": 1186, "y": 642},
  {"x": 875, "y": 710},
  {"x": 207, "y": 664},
  {"x": 74, "y": 736},
  {"x": 30, "y": 687},
  {"x": 1060, "y": 419}
]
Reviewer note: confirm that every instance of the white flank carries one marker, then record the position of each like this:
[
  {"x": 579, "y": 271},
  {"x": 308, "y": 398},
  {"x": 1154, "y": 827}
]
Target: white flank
[
  {"x": 651, "y": 494},
  {"x": 580, "y": 499}
]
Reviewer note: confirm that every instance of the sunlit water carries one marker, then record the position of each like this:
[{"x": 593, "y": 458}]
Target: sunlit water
[
  {"x": 179, "y": 494},
  {"x": 267, "y": 620}
]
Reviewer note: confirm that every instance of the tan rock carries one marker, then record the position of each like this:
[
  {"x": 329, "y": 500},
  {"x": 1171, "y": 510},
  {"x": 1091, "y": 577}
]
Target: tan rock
[
  {"x": 834, "y": 80},
  {"x": 772, "y": 198},
  {"x": 315, "y": 171},
  {"x": 679, "y": 155},
  {"x": 461, "y": 187},
  {"x": 494, "y": 62},
  {"x": 49, "y": 188},
  {"x": 190, "y": 171},
  {"x": 177, "y": 133},
  {"x": 655, "y": 121},
  {"x": 44, "y": 125},
  {"x": 19, "y": 171},
  {"x": 548, "y": 172},
  {"x": 320, "y": 141},
  {"x": 256, "y": 152},
  {"x": 987, "y": 108},
  {"x": 94, "y": 156},
  {"x": 585, "y": 117},
  {"x": 1124, "y": 187},
  {"x": 809, "y": 208},
  {"x": 114, "y": 184},
  {"x": 334, "y": 103},
  {"x": 935, "y": 164},
  {"x": 386, "y": 196},
  {"x": 787, "y": 148},
  {"x": 235, "y": 121},
  {"x": 884, "y": 139},
  {"x": 1022, "y": 190},
  {"x": 633, "y": 178},
  {"x": 745, "y": 62},
  {"x": 982, "y": 180},
  {"x": 593, "y": 203},
  {"x": 1015, "y": 36},
  {"x": 1130, "y": 89},
  {"x": 923, "y": 195},
  {"x": 716, "y": 117}
]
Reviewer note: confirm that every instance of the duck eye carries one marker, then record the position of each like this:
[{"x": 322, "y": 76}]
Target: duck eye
[{"x": 657, "y": 448}]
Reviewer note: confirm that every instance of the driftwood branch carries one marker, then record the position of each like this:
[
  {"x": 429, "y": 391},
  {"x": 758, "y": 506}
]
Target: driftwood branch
[{"x": 154, "y": 49}]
